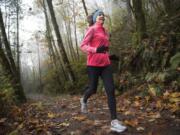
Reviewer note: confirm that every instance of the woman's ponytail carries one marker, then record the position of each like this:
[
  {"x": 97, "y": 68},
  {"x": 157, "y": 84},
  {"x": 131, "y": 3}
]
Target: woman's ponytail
[{"x": 90, "y": 19}]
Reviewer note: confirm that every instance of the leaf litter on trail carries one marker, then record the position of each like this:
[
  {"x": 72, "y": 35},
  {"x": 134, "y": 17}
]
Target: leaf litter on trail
[
  {"x": 136, "y": 111},
  {"x": 132, "y": 122}
]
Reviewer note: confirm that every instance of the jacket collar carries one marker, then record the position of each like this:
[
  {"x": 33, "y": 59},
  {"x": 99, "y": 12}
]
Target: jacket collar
[{"x": 97, "y": 24}]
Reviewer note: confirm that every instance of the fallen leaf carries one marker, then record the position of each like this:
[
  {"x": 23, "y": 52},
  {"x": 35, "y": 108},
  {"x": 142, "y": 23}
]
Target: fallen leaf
[
  {"x": 166, "y": 95},
  {"x": 159, "y": 104},
  {"x": 174, "y": 107},
  {"x": 132, "y": 123},
  {"x": 175, "y": 94},
  {"x": 151, "y": 120},
  {"x": 97, "y": 123},
  {"x": 174, "y": 99},
  {"x": 136, "y": 103},
  {"x": 127, "y": 113},
  {"x": 2, "y": 120},
  {"x": 89, "y": 122},
  {"x": 65, "y": 124},
  {"x": 137, "y": 97},
  {"x": 147, "y": 98},
  {"x": 155, "y": 115},
  {"x": 148, "y": 109},
  {"x": 77, "y": 132},
  {"x": 140, "y": 128},
  {"x": 79, "y": 118},
  {"x": 51, "y": 115},
  {"x": 152, "y": 91}
]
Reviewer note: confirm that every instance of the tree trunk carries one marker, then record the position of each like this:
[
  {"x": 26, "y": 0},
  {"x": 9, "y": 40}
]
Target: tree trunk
[
  {"x": 39, "y": 66},
  {"x": 69, "y": 37},
  {"x": 18, "y": 52},
  {"x": 8, "y": 25},
  {"x": 60, "y": 43},
  {"x": 49, "y": 39},
  {"x": 84, "y": 6},
  {"x": 140, "y": 18},
  {"x": 168, "y": 6},
  {"x": 75, "y": 29},
  {"x": 7, "y": 46},
  {"x": 18, "y": 90}
]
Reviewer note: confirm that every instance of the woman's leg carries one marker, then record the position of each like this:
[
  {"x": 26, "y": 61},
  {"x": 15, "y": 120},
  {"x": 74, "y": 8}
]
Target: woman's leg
[
  {"x": 107, "y": 78},
  {"x": 93, "y": 74}
]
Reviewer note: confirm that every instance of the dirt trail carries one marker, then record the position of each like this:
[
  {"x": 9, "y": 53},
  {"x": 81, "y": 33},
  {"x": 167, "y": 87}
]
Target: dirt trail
[{"x": 61, "y": 116}]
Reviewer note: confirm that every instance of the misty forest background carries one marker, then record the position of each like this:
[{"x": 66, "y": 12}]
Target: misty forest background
[{"x": 144, "y": 34}]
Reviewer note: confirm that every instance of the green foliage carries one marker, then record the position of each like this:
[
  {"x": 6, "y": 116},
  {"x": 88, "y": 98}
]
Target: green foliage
[
  {"x": 80, "y": 69},
  {"x": 175, "y": 61},
  {"x": 53, "y": 86},
  {"x": 7, "y": 97}
]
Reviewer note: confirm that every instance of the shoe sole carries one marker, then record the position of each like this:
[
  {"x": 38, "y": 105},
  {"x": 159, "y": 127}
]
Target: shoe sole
[{"x": 116, "y": 130}]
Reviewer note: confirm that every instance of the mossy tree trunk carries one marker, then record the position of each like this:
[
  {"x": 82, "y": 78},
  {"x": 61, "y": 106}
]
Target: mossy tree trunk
[{"x": 140, "y": 18}]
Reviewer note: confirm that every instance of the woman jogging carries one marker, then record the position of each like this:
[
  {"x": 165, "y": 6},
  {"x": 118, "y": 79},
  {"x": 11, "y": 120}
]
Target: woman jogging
[{"x": 96, "y": 45}]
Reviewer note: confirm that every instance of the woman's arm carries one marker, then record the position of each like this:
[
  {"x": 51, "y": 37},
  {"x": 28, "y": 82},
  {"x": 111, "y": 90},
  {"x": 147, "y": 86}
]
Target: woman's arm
[{"x": 85, "y": 47}]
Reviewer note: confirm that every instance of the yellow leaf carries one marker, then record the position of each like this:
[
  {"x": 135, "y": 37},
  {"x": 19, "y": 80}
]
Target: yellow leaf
[
  {"x": 122, "y": 109},
  {"x": 175, "y": 94},
  {"x": 174, "y": 107},
  {"x": 65, "y": 124},
  {"x": 137, "y": 97},
  {"x": 51, "y": 115},
  {"x": 20, "y": 126},
  {"x": 79, "y": 118},
  {"x": 159, "y": 104},
  {"x": 147, "y": 98},
  {"x": 174, "y": 99},
  {"x": 152, "y": 91},
  {"x": 128, "y": 113}
]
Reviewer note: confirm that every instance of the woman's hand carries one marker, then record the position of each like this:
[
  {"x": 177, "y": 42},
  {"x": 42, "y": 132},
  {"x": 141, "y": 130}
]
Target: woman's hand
[{"x": 101, "y": 49}]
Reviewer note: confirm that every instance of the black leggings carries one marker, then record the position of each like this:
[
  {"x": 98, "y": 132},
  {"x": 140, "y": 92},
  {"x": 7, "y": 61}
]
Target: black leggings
[{"x": 107, "y": 77}]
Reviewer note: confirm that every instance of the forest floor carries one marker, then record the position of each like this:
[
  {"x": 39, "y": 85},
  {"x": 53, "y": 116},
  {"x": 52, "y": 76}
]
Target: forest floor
[{"x": 61, "y": 115}]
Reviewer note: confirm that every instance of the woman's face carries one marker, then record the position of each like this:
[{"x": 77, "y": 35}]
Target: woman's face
[{"x": 100, "y": 18}]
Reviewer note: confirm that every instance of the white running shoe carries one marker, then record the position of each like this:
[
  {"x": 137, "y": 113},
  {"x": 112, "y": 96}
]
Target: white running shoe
[
  {"x": 117, "y": 126},
  {"x": 83, "y": 106}
]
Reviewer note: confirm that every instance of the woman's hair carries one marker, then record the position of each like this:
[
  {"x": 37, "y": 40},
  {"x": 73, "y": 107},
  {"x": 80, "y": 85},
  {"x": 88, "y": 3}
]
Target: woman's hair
[{"x": 90, "y": 19}]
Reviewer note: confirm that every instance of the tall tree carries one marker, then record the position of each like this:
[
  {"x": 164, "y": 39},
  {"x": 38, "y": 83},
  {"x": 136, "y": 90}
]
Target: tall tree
[
  {"x": 139, "y": 17},
  {"x": 7, "y": 46},
  {"x": 85, "y": 8},
  {"x": 14, "y": 81},
  {"x": 75, "y": 28},
  {"x": 39, "y": 63},
  {"x": 17, "y": 34},
  {"x": 60, "y": 43}
]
